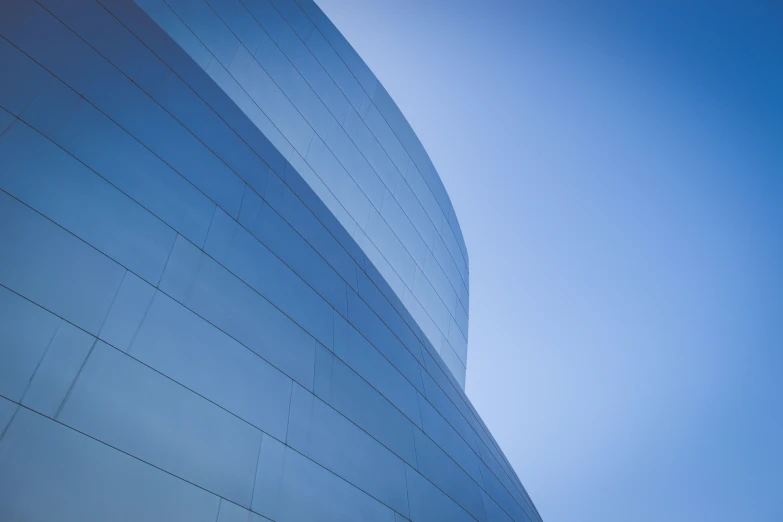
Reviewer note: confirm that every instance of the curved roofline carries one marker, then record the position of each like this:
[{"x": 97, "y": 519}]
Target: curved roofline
[{"x": 323, "y": 23}]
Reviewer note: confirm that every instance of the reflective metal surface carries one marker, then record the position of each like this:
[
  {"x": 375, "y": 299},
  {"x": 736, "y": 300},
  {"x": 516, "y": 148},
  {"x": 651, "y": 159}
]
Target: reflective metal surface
[
  {"x": 192, "y": 325},
  {"x": 293, "y": 73}
]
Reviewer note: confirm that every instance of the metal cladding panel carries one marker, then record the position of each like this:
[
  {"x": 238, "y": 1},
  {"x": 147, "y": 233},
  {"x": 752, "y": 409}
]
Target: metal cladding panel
[
  {"x": 191, "y": 327},
  {"x": 287, "y": 67}
]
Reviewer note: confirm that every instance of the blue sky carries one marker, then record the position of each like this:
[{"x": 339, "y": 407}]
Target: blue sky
[{"x": 617, "y": 169}]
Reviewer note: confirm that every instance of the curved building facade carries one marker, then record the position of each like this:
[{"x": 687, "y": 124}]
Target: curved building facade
[
  {"x": 294, "y": 75},
  {"x": 232, "y": 285}
]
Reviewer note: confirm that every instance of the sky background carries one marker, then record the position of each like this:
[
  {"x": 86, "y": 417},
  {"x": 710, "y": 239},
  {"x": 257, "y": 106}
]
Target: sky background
[{"x": 617, "y": 170}]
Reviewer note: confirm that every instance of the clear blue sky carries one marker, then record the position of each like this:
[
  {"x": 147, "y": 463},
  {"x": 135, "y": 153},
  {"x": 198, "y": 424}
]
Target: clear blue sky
[{"x": 617, "y": 169}]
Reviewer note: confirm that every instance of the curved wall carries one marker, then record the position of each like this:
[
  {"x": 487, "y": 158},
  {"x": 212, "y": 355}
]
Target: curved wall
[
  {"x": 188, "y": 332},
  {"x": 287, "y": 67}
]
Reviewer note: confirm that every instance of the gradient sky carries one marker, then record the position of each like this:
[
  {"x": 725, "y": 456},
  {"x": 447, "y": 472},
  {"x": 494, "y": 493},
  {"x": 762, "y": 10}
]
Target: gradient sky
[{"x": 617, "y": 169}]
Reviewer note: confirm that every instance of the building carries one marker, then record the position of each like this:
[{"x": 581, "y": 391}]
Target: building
[{"x": 232, "y": 284}]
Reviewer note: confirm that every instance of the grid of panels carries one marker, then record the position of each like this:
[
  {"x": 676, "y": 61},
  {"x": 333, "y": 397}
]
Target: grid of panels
[
  {"x": 188, "y": 332},
  {"x": 300, "y": 82}
]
